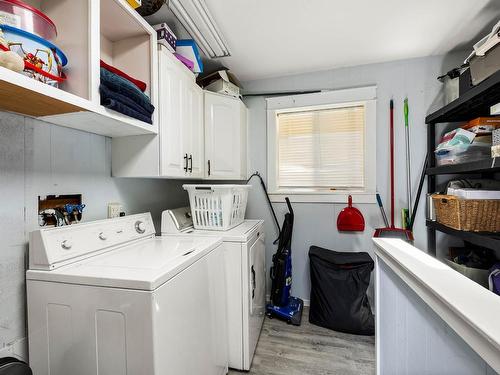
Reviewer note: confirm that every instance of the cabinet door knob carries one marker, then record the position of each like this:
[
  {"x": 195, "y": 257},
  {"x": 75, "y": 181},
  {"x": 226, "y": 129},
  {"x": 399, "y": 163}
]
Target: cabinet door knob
[
  {"x": 190, "y": 163},
  {"x": 185, "y": 162},
  {"x": 208, "y": 167}
]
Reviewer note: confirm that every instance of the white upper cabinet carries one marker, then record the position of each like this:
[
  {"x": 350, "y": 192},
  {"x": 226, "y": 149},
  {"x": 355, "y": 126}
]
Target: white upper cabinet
[
  {"x": 201, "y": 134},
  {"x": 193, "y": 130},
  {"x": 225, "y": 137},
  {"x": 171, "y": 147},
  {"x": 181, "y": 120}
]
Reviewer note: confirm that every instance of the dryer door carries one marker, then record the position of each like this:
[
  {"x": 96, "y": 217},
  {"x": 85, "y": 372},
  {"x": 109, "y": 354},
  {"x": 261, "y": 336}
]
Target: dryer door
[{"x": 257, "y": 290}]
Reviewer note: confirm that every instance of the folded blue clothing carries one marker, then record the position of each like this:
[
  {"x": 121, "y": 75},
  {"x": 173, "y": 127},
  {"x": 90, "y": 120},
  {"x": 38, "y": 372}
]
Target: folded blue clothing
[
  {"x": 122, "y": 86},
  {"x": 122, "y": 108},
  {"x": 125, "y": 100}
]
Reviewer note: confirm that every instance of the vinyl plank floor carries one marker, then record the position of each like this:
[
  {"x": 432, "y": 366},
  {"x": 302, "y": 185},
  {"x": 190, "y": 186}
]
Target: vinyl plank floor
[{"x": 310, "y": 350}]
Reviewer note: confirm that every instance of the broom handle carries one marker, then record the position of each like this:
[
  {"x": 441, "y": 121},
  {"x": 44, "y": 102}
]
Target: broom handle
[{"x": 392, "y": 160}]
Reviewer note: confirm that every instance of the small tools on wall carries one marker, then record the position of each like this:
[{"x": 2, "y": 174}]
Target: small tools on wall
[{"x": 59, "y": 210}]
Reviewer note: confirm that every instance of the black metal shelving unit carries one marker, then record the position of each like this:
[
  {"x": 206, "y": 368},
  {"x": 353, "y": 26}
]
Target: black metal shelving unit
[
  {"x": 489, "y": 240},
  {"x": 474, "y": 103},
  {"x": 480, "y": 166}
]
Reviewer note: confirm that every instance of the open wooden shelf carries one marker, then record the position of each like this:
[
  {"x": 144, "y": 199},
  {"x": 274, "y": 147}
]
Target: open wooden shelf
[
  {"x": 102, "y": 121},
  {"x": 129, "y": 42},
  {"x": 488, "y": 240},
  {"x": 26, "y": 96}
]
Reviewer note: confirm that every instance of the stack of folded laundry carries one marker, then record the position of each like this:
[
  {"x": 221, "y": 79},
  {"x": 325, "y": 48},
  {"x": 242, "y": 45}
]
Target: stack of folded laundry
[{"x": 124, "y": 94}]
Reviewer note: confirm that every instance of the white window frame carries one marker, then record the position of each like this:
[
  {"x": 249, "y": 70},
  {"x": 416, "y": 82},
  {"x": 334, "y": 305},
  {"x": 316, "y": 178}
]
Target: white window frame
[{"x": 365, "y": 96}]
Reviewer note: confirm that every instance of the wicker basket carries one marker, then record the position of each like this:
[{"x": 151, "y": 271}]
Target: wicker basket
[{"x": 472, "y": 215}]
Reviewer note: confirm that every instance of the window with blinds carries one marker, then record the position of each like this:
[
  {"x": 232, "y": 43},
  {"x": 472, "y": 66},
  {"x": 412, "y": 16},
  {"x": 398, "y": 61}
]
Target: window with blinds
[{"x": 321, "y": 149}]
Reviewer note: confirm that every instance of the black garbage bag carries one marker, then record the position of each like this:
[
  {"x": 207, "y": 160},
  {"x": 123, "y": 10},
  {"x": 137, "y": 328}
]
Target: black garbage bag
[{"x": 339, "y": 281}]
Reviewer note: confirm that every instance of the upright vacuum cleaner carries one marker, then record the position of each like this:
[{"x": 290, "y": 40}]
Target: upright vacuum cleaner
[{"x": 283, "y": 305}]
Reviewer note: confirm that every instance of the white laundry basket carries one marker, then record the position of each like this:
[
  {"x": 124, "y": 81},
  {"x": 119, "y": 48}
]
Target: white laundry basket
[{"x": 217, "y": 207}]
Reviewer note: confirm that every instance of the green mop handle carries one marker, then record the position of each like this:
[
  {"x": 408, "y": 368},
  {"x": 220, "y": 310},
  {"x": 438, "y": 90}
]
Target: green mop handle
[
  {"x": 408, "y": 166},
  {"x": 406, "y": 111}
]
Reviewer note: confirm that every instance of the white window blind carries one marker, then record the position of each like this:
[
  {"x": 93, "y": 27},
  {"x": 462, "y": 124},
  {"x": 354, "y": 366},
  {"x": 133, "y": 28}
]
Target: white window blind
[{"x": 322, "y": 148}]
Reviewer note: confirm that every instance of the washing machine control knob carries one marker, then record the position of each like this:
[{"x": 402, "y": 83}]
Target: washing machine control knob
[
  {"x": 102, "y": 236},
  {"x": 66, "y": 244},
  {"x": 140, "y": 227}
]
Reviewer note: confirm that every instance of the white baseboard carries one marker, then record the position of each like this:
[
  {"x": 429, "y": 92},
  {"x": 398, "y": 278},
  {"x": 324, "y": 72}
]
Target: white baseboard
[{"x": 17, "y": 349}]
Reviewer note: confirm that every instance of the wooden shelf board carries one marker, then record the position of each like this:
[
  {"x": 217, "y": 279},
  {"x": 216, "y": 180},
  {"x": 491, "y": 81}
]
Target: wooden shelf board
[
  {"x": 24, "y": 95},
  {"x": 488, "y": 240},
  {"x": 104, "y": 122},
  {"x": 480, "y": 166}
]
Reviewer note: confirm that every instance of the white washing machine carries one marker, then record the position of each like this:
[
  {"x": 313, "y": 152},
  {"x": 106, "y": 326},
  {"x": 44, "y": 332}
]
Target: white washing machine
[
  {"x": 245, "y": 268},
  {"x": 110, "y": 298}
]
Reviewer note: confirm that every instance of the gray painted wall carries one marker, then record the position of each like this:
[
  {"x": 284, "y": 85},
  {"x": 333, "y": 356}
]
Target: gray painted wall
[
  {"x": 39, "y": 159},
  {"x": 316, "y": 222}
]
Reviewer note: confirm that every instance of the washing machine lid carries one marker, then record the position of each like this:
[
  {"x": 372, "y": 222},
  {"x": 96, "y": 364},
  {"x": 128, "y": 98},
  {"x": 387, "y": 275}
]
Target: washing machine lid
[
  {"x": 241, "y": 233},
  {"x": 144, "y": 265}
]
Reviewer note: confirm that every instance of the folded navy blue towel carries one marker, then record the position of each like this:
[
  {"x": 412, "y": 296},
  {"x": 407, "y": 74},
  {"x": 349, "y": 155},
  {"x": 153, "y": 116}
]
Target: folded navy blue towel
[
  {"x": 122, "y": 108},
  {"x": 124, "y": 87},
  {"x": 125, "y": 100}
]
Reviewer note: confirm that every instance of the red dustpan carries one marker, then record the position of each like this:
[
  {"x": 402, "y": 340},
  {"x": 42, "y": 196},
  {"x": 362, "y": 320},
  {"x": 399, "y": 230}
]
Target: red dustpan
[{"x": 350, "y": 219}]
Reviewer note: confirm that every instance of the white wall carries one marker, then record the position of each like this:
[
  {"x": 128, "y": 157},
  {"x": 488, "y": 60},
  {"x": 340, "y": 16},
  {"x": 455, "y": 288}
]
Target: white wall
[
  {"x": 413, "y": 339},
  {"x": 39, "y": 159},
  {"x": 316, "y": 223}
]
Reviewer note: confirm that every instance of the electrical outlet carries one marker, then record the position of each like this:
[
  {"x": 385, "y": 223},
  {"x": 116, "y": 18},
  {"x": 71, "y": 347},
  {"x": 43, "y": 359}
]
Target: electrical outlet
[{"x": 114, "y": 210}]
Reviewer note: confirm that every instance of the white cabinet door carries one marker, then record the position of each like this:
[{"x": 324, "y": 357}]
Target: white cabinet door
[
  {"x": 223, "y": 129},
  {"x": 172, "y": 163},
  {"x": 193, "y": 143},
  {"x": 181, "y": 121}
]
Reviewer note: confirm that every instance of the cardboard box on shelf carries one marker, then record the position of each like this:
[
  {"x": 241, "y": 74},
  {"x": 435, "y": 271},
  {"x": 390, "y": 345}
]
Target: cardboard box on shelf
[
  {"x": 222, "y": 82},
  {"x": 189, "y": 49},
  {"x": 165, "y": 36},
  {"x": 482, "y": 125}
]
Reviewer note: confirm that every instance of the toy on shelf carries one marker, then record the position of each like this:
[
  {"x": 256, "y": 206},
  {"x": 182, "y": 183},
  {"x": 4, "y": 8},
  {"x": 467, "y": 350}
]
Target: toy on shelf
[{"x": 43, "y": 61}]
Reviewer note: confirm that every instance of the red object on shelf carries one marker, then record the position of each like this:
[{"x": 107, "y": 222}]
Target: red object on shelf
[
  {"x": 141, "y": 85},
  {"x": 350, "y": 219}
]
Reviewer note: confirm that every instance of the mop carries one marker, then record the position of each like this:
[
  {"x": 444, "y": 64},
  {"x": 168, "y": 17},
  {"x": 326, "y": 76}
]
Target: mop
[{"x": 392, "y": 231}]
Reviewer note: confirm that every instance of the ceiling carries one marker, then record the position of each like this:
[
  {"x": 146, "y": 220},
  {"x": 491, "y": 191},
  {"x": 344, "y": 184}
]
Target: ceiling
[{"x": 282, "y": 37}]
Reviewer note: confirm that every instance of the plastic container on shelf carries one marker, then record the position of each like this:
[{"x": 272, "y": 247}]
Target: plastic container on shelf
[
  {"x": 18, "y": 14},
  {"x": 478, "y": 275},
  {"x": 43, "y": 61},
  {"x": 217, "y": 207},
  {"x": 475, "y": 152}
]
